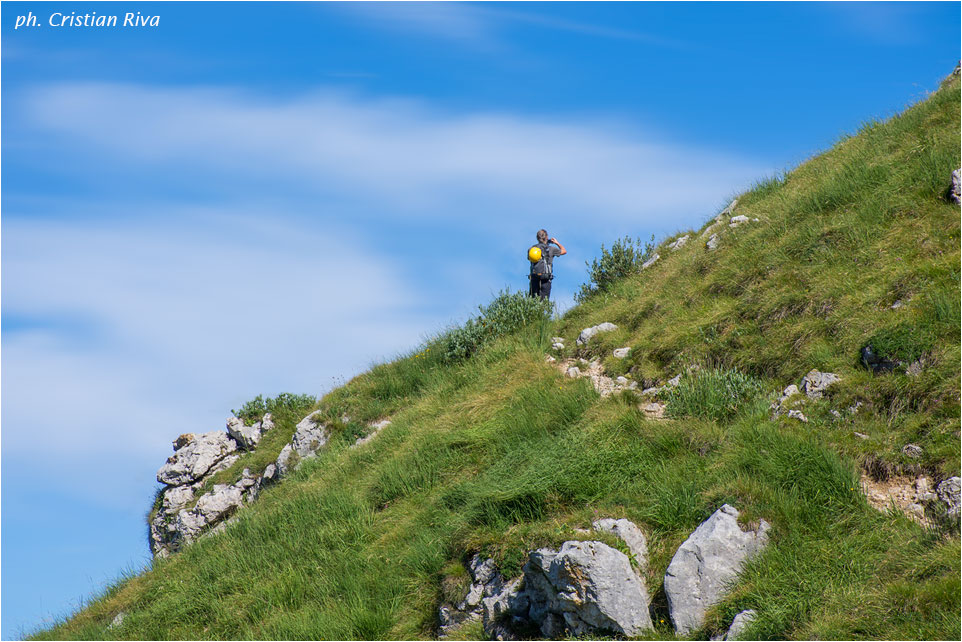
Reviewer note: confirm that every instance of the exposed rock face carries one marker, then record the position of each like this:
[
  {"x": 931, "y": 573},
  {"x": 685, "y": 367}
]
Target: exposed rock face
[
  {"x": 309, "y": 437},
  {"x": 739, "y": 624},
  {"x": 948, "y": 492},
  {"x": 678, "y": 243},
  {"x": 630, "y": 534},
  {"x": 647, "y": 264},
  {"x": 194, "y": 458},
  {"x": 504, "y": 611},
  {"x": 487, "y": 584},
  {"x": 815, "y": 383},
  {"x": 587, "y": 333},
  {"x": 798, "y": 416},
  {"x": 705, "y": 565},
  {"x": 779, "y": 406},
  {"x": 585, "y": 588}
]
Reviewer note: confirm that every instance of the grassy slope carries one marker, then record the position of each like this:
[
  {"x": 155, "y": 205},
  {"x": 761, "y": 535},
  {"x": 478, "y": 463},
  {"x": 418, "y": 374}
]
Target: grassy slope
[{"x": 501, "y": 454}]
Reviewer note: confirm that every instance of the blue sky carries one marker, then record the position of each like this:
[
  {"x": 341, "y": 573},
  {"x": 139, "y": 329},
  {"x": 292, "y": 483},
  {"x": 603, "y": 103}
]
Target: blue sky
[{"x": 264, "y": 197}]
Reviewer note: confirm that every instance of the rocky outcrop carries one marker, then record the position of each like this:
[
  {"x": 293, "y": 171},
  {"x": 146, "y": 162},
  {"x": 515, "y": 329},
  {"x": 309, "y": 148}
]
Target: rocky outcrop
[
  {"x": 194, "y": 456},
  {"x": 587, "y": 333},
  {"x": 705, "y": 565},
  {"x": 647, "y": 264},
  {"x": 486, "y": 583},
  {"x": 182, "y": 516},
  {"x": 309, "y": 436},
  {"x": 585, "y": 588}
]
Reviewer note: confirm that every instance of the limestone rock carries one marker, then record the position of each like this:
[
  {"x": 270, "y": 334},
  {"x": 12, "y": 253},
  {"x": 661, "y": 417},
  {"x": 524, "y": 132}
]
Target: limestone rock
[
  {"x": 861, "y": 435},
  {"x": 956, "y": 185},
  {"x": 815, "y": 382},
  {"x": 630, "y": 534},
  {"x": 558, "y": 346},
  {"x": 653, "y": 410},
  {"x": 377, "y": 426},
  {"x": 739, "y": 624},
  {"x": 678, "y": 243},
  {"x": 912, "y": 450},
  {"x": 705, "y": 565},
  {"x": 589, "y": 586},
  {"x": 647, "y": 264},
  {"x": 557, "y": 339},
  {"x": 549, "y": 359},
  {"x": 309, "y": 437},
  {"x": 211, "y": 508},
  {"x": 738, "y": 220},
  {"x": 574, "y": 372},
  {"x": 797, "y": 415},
  {"x": 712, "y": 243},
  {"x": 621, "y": 353},
  {"x": 587, "y": 333},
  {"x": 245, "y": 436},
  {"x": 488, "y": 598},
  {"x": 195, "y": 458},
  {"x": 117, "y": 621},
  {"x": 176, "y": 497},
  {"x": 948, "y": 492}
]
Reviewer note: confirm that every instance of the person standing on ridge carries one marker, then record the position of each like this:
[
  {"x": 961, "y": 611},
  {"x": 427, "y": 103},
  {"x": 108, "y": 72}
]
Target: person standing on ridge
[{"x": 541, "y": 256}]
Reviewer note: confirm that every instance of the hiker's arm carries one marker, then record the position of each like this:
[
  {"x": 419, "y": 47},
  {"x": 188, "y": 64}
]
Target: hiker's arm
[{"x": 560, "y": 247}]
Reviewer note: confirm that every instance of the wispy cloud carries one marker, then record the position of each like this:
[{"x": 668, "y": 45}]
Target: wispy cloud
[{"x": 389, "y": 151}]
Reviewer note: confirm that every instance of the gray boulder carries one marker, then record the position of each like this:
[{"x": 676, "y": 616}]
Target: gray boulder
[
  {"x": 630, "y": 534},
  {"x": 707, "y": 563},
  {"x": 587, "y": 333},
  {"x": 815, "y": 382},
  {"x": 739, "y": 624},
  {"x": 621, "y": 353},
  {"x": 913, "y": 451},
  {"x": 195, "y": 457},
  {"x": 647, "y": 264},
  {"x": 948, "y": 492},
  {"x": 309, "y": 436},
  {"x": 590, "y": 586},
  {"x": 712, "y": 243}
]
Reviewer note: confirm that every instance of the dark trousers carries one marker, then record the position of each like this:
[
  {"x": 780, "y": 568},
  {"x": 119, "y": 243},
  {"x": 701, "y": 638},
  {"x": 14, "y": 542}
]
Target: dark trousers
[{"x": 540, "y": 287}]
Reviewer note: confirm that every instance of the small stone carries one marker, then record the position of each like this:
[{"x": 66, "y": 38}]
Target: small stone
[
  {"x": 712, "y": 243},
  {"x": 912, "y": 450},
  {"x": 647, "y": 264},
  {"x": 653, "y": 410},
  {"x": 914, "y": 369},
  {"x": 861, "y": 435},
  {"x": 621, "y": 353},
  {"x": 587, "y": 333},
  {"x": 739, "y": 624},
  {"x": 621, "y": 381},
  {"x": 836, "y": 413},
  {"x": 797, "y": 414},
  {"x": 956, "y": 186},
  {"x": 674, "y": 381},
  {"x": 815, "y": 383},
  {"x": 558, "y": 346},
  {"x": 549, "y": 359},
  {"x": 948, "y": 492},
  {"x": 557, "y": 339},
  {"x": 738, "y": 220},
  {"x": 898, "y": 304},
  {"x": 574, "y": 372},
  {"x": 678, "y": 243},
  {"x": 854, "y": 408},
  {"x": 117, "y": 621}
]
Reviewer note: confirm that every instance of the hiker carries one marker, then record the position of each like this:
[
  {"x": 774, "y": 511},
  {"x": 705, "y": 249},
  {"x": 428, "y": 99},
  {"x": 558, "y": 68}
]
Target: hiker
[{"x": 541, "y": 255}]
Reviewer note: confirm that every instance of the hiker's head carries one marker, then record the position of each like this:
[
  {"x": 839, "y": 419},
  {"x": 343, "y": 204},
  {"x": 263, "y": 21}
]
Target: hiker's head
[{"x": 542, "y": 236}]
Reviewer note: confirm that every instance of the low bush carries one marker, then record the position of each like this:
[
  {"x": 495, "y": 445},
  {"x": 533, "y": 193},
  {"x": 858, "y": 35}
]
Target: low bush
[
  {"x": 713, "y": 394},
  {"x": 507, "y": 313},
  {"x": 623, "y": 259},
  {"x": 253, "y": 410}
]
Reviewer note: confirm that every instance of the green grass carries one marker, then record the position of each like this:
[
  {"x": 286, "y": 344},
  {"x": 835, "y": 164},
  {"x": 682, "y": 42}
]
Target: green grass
[{"x": 496, "y": 452}]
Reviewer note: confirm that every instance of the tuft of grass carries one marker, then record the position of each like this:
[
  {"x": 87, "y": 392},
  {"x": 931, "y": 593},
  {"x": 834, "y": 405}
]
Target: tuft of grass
[{"x": 712, "y": 393}]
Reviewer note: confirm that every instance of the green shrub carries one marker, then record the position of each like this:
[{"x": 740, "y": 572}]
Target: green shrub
[
  {"x": 507, "y": 313},
  {"x": 623, "y": 259},
  {"x": 904, "y": 342},
  {"x": 252, "y": 411},
  {"x": 713, "y": 394}
]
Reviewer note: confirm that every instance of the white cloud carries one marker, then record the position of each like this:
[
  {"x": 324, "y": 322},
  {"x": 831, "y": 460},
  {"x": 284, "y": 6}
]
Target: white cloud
[
  {"x": 400, "y": 153},
  {"x": 152, "y": 328}
]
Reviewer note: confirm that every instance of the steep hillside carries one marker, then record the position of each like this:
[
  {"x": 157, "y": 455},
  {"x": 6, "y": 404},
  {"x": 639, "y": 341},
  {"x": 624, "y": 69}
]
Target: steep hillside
[{"x": 494, "y": 449}]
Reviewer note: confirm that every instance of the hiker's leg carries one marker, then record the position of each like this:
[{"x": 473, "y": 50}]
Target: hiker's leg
[
  {"x": 545, "y": 288},
  {"x": 534, "y": 289}
]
